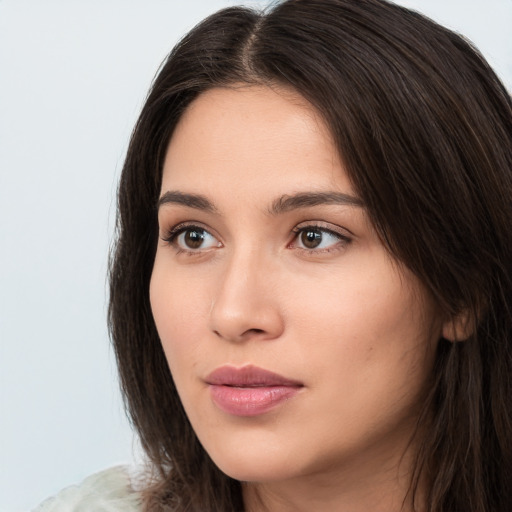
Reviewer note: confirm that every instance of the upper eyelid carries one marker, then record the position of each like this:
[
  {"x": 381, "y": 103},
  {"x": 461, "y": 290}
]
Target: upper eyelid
[
  {"x": 175, "y": 227},
  {"x": 324, "y": 225},
  {"x": 174, "y": 230},
  {"x": 335, "y": 233}
]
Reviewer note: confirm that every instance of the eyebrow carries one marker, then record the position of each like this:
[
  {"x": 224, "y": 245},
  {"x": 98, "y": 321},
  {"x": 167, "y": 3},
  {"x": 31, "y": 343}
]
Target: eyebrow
[
  {"x": 195, "y": 201},
  {"x": 287, "y": 203},
  {"x": 282, "y": 204}
]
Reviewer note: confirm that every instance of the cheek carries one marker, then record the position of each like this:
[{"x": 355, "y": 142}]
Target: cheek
[
  {"x": 359, "y": 305},
  {"x": 179, "y": 314},
  {"x": 378, "y": 327}
]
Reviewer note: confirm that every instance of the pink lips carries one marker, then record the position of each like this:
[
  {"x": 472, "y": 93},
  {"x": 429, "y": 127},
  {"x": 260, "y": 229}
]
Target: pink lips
[{"x": 249, "y": 391}]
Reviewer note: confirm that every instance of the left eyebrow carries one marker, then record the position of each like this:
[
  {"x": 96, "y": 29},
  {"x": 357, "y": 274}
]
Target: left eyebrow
[{"x": 287, "y": 203}]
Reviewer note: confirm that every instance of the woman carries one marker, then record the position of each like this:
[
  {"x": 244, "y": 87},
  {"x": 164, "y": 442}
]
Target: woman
[{"x": 311, "y": 284}]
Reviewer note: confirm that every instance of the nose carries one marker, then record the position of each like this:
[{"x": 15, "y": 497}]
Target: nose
[{"x": 246, "y": 302}]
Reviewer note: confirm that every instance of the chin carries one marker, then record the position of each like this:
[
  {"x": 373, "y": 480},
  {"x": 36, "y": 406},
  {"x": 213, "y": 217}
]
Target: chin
[
  {"x": 253, "y": 461},
  {"x": 254, "y": 471}
]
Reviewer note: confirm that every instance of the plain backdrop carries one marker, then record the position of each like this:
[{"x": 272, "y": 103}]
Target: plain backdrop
[{"x": 73, "y": 76}]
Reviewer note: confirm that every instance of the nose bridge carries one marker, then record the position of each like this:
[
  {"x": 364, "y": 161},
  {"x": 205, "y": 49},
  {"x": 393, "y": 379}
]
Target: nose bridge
[
  {"x": 245, "y": 267},
  {"x": 244, "y": 304}
]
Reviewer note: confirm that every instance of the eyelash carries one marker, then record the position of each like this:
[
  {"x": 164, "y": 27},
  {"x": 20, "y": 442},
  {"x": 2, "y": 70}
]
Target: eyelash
[
  {"x": 343, "y": 240},
  {"x": 172, "y": 235}
]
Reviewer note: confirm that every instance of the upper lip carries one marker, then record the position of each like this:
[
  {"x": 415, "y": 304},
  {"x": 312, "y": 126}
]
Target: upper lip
[{"x": 248, "y": 376}]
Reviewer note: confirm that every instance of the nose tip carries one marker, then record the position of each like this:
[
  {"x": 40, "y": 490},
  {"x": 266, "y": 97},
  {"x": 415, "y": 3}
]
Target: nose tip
[
  {"x": 246, "y": 306},
  {"x": 243, "y": 320}
]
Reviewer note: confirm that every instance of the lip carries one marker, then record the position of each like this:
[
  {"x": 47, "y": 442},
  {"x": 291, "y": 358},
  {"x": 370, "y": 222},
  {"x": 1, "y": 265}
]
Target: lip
[{"x": 249, "y": 390}]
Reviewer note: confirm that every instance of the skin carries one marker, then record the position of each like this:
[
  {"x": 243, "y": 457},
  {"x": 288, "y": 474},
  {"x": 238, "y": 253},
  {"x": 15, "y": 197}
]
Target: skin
[{"x": 351, "y": 324}]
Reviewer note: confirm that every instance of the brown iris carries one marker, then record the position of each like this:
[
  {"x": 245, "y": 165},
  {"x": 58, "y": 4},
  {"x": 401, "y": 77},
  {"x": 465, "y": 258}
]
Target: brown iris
[
  {"x": 311, "y": 238},
  {"x": 193, "y": 238}
]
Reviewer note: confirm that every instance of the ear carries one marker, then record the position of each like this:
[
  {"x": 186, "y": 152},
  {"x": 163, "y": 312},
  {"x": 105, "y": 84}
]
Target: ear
[{"x": 459, "y": 328}]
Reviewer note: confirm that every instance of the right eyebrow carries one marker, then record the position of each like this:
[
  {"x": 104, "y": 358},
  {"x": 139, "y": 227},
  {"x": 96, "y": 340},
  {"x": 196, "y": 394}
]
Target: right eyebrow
[{"x": 195, "y": 201}]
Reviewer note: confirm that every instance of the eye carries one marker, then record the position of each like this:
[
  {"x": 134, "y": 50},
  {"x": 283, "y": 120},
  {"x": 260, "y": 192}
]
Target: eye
[
  {"x": 191, "y": 238},
  {"x": 319, "y": 239}
]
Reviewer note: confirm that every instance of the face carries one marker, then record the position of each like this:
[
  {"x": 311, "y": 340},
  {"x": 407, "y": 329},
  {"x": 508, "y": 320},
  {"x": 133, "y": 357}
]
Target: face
[{"x": 297, "y": 345}]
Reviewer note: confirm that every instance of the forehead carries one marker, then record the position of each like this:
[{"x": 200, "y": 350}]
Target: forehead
[{"x": 243, "y": 137}]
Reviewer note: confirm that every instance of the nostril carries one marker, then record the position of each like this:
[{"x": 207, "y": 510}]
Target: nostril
[
  {"x": 246, "y": 334},
  {"x": 252, "y": 332}
]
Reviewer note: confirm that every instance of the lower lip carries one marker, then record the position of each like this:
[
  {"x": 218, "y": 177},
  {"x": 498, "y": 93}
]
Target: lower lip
[{"x": 250, "y": 401}]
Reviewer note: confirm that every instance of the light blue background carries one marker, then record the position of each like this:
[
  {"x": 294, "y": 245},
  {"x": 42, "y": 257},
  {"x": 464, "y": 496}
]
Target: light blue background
[{"x": 73, "y": 75}]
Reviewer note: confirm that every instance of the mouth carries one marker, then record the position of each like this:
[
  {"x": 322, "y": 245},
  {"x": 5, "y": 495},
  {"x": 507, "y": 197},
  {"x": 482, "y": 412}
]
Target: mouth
[{"x": 249, "y": 390}]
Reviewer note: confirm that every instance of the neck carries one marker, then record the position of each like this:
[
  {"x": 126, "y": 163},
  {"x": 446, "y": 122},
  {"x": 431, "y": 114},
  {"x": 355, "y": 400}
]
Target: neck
[{"x": 379, "y": 484}]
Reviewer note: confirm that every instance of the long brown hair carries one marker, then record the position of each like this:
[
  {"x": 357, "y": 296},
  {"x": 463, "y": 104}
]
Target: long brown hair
[{"x": 424, "y": 128}]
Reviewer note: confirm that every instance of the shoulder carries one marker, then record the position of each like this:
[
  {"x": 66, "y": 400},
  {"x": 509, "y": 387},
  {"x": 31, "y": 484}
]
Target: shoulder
[{"x": 108, "y": 491}]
